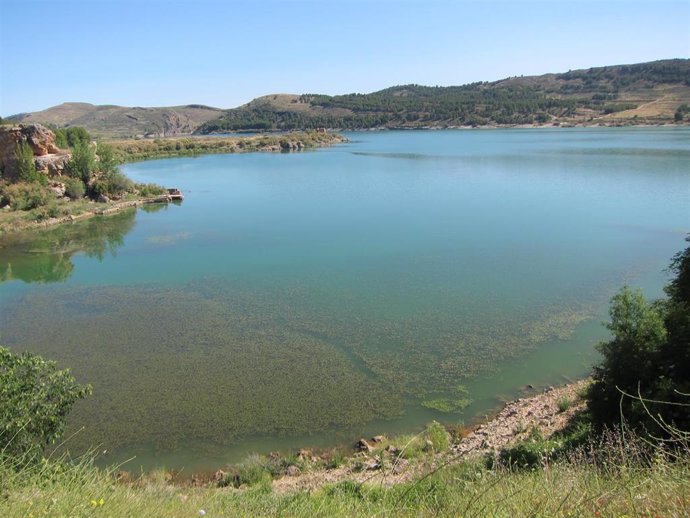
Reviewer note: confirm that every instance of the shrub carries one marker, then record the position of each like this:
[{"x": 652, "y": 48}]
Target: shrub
[
  {"x": 26, "y": 196},
  {"x": 149, "y": 190},
  {"x": 112, "y": 184},
  {"x": 564, "y": 404},
  {"x": 74, "y": 188},
  {"x": 35, "y": 398},
  {"x": 438, "y": 436}
]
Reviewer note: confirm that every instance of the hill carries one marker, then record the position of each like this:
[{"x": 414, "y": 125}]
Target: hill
[
  {"x": 121, "y": 121},
  {"x": 645, "y": 93}
]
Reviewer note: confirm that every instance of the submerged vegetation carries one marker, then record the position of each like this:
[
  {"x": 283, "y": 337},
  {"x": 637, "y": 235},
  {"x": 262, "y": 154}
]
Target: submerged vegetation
[{"x": 593, "y": 467}]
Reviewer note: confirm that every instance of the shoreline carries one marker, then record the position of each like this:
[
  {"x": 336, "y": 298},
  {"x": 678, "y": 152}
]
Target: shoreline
[
  {"x": 231, "y": 145},
  {"x": 382, "y": 461},
  {"x": 507, "y": 426}
]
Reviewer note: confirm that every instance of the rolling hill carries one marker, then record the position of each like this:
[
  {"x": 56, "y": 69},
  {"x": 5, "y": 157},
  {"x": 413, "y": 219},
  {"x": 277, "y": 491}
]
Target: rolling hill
[
  {"x": 657, "y": 92},
  {"x": 645, "y": 93},
  {"x": 121, "y": 122}
]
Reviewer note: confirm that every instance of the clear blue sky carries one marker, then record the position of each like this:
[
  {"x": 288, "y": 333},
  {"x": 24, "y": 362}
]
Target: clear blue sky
[{"x": 224, "y": 53}]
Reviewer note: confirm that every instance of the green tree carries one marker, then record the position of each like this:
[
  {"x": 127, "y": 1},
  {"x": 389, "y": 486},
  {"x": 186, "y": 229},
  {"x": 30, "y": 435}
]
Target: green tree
[
  {"x": 83, "y": 162},
  {"x": 648, "y": 356},
  {"x": 35, "y": 398},
  {"x": 26, "y": 169},
  {"x": 106, "y": 158}
]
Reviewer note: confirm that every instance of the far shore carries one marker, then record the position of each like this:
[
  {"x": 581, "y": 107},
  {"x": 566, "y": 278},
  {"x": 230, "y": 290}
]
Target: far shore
[{"x": 126, "y": 151}]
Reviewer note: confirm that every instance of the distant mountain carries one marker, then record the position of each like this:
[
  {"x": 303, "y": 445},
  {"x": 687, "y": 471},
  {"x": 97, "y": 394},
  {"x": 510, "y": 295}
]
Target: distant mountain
[
  {"x": 657, "y": 92},
  {"x": 121, "y": 121},
  {"x": 645, "y": 93}
]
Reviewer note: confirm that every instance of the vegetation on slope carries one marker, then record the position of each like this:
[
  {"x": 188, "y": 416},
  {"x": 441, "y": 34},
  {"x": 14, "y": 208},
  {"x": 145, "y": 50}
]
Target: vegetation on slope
[{"x": 652, "y": 91}]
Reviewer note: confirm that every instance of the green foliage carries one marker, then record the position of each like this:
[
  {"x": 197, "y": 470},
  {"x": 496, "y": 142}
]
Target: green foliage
[
  {"x": 71, "y": 137},
  {"x": 510, "y": 101},
  {"x": 26, "y": 169},
  {"x": 25, "y": 196},
  {"x": 648, "y": 359},
  {"x": 681, "y": 112},
  {"x": 83, "y": 162},
  {"x": 438, "y": 436},
  {"x": 74, "y": 188},
  {"x": 564, "y": 404},
  {"x": 35, "y": 398},
  {"x": 112, "y": 184},
  {"x": 149, "y": 190},
  {"x": 106, "y": 158}
]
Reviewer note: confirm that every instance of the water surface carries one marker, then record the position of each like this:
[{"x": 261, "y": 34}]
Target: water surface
[{"x": 304, "y": 299}]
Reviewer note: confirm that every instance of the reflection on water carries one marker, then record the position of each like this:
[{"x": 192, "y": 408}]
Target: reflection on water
[{"x": 45, "y": 256}]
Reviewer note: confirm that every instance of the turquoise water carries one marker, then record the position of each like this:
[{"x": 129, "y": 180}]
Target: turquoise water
[{"x": 305, "y": 299}]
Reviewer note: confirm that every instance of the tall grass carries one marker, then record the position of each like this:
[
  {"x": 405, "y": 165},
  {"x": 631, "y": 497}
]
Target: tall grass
[{"x": 619, "y": 475}]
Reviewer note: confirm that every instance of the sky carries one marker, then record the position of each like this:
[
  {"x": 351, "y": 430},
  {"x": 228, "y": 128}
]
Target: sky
[{"x": 225, "y": 53}]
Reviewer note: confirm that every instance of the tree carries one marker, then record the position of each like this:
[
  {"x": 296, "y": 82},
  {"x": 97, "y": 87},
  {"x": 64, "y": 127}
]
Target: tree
[
  {"x": 83, "y": 162},
  {"x": 648, "y": 356},
  {"x": 35, "y": 398},
  {"x": 26, "y": 169}
]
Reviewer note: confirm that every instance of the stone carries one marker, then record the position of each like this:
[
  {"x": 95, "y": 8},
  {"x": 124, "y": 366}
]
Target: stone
[
  {"x": 102, "y": 198},
  {"x": 303, "y": 454},
  {"x": 372, "y": 464},
  {"x": 363, "y": 445},
  {"x": 377, "y": 439},
  {"x": 38, "y": 137},
  {"x": 58, "y": 188},
  {"x": 292, "y": 471}
]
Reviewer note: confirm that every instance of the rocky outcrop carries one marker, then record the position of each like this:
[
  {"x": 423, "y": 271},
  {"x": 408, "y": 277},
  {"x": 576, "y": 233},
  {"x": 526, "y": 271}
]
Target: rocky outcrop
[{"x": 48, "y": 158}]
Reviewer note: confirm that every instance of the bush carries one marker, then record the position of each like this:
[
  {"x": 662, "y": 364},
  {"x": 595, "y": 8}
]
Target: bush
[
  {"x": 112, "y": 184},
  {"x": 74, "y": 188},
  {"x": 438, "y": 436},
  {"x": 148, "y": 190},
  {"x": 26, "y": 196},
  {"x": 35, "y": 398},
  {"x": 648, "y": 359}
]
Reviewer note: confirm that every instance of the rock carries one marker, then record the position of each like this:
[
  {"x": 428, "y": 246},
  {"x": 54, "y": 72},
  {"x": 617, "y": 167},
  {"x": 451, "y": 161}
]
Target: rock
[
  {"x": 53, "y": 164},
  {"x": 292, "y": 471},
  {"x": 377, "y": 439},
  {"x": 219, "y": 476},
  {"x": 363, "y": 445},
  {"x": 393, "y": 450},
  {"x": 58, "y": 188},
  {"x": 303, "y": 454},
  {"x": 372, "y": 464},
  {"x": 38, "y": 137},
  {"x": 102, "y": 198}
]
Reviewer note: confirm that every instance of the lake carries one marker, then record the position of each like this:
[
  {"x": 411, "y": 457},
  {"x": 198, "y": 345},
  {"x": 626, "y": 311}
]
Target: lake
[{"x": 312, "y": 298}]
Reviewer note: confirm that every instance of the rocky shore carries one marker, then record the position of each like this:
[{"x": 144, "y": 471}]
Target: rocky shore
[{"x": 381, "y": 465}]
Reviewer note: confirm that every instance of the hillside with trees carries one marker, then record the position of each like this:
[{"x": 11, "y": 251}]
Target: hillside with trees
[{"x": 646, "y": 93}]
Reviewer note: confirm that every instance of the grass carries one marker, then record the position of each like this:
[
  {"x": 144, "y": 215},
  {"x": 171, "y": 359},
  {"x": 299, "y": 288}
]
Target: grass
[{"x": 617, "y": 478}]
